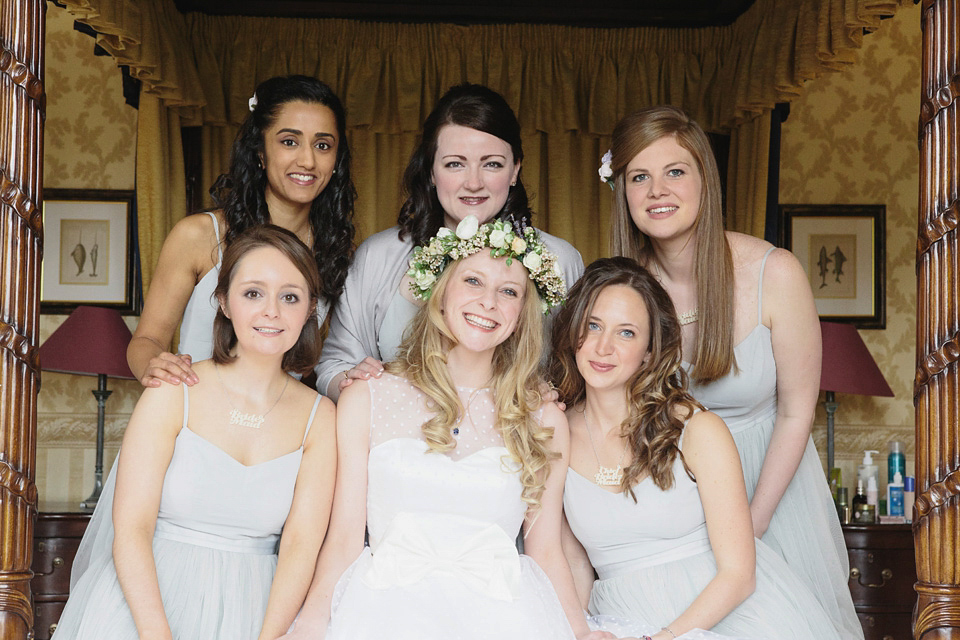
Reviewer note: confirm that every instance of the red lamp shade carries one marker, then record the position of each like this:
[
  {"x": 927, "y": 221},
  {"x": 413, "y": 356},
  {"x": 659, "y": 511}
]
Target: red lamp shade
[
  {"x": 848, "y": 366},
  {"x": 92, "y": 341}
]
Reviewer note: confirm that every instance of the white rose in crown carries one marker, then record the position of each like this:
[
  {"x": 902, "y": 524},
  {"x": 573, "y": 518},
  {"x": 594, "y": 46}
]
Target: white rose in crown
[
  {"x": 532, "y": 261},
  {"x": 468, "y": 227},
  {"x": 425, "y": 279},
  {"x": 606, "y": 171},
  {"x": 518, "y": 246},
  {"x": 498, "y": 238},
  {"x": 444, "y": 232}
]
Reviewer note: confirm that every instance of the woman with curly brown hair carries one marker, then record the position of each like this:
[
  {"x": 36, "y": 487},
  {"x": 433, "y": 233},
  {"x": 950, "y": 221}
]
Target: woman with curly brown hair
[{"x": 655, "y": 493}]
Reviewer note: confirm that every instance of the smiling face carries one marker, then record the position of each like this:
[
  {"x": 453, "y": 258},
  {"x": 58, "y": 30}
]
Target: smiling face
[
  {"x": 300, "y": 153},
  {"x": 483, "y": 300},
  {"x": 663, "y": 189},
  {"x": 472, "y": 172},
  {"x": 268, "y": 302},
  {"x": 616, "y": 338}
]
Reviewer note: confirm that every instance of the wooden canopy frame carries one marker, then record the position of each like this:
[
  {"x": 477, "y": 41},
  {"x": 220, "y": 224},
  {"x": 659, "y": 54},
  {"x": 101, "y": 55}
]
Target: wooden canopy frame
[{"x": 937, "y": 387}]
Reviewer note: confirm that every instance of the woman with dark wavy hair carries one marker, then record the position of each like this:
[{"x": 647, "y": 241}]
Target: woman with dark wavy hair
[
  {"x": 467, "y": 162},
  {"x": 654, "y": 491},
  {"x": 290, "y": 167}
]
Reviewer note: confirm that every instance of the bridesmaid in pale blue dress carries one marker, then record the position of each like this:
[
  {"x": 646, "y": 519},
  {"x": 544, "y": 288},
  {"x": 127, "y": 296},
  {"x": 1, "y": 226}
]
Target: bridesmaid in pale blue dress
[
  {"x": 750, "y": 337},
  {"x": 289, "y": 166},
  {"x": 224, "y": 484},
  {"x": 655, "y": 492}
]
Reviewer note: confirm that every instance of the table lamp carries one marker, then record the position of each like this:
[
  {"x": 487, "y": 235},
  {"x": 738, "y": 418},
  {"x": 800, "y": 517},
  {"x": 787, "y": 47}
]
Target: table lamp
[
  {"x": 92, "y": 341},
  {"x": 847, "y": 367}
]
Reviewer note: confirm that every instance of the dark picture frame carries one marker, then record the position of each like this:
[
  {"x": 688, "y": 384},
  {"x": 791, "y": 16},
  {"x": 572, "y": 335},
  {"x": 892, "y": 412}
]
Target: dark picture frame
[
  {"x": 842, "y": 249},
  {"x": 89, "y": 250}
]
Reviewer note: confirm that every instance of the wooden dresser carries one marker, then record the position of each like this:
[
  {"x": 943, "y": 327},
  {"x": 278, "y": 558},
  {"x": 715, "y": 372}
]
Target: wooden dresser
[
  {"x": 882, "y": 574},
  {"x": 56, "y": 537}
]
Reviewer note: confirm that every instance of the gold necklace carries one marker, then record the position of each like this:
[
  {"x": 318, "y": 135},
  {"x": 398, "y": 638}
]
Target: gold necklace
[
  {"x": 687, "y": 317},
  {"x": 252, "y": 420},
  {"x": 606, "y": 476}
]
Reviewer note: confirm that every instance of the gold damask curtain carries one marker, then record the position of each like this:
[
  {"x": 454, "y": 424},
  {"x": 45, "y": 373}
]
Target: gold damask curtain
[{"x": 568, "y": 85}]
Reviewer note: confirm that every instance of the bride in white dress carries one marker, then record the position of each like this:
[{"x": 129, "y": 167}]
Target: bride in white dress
[{"x": 446, "y": 456}]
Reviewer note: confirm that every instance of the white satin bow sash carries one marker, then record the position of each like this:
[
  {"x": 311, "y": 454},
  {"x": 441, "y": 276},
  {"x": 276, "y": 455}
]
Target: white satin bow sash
[{"x": 415, "y": 546}]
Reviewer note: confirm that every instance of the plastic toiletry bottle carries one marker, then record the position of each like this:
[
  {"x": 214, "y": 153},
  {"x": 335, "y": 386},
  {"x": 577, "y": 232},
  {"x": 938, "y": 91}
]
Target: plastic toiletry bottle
[
  {"x": 908, "y": 497},
  {"x": 896, "y": 461},
  {"x": 895, "y": 495},
  {"x": 868, "y": 469},
  {"x": 872, "y": 491},
  {"x": 859, "y": 502}
]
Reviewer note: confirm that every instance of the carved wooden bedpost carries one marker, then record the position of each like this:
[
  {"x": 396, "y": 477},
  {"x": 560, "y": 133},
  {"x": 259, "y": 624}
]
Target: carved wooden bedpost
[
  {"x": 936, "y": 529},
  {"x": 22, "y": 106}
]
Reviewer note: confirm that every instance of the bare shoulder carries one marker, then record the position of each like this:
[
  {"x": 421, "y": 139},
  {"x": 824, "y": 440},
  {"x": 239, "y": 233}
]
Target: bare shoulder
[
  {"x": 703, "y": 432},
  {"x": 747, "y": 251},
  {"x": 197, "y": 230}
]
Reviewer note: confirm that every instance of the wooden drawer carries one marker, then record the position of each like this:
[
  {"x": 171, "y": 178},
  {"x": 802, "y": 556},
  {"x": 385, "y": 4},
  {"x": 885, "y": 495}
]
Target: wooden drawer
[
  {"x": 46, "y": 615},
  {"x": 56, "y": 537},
  {"x": 52, "y": 561},
  {"x": 885, "y": 626},
  {"x": 882, "y": 579},
  {"x": 882, "y": 574}
]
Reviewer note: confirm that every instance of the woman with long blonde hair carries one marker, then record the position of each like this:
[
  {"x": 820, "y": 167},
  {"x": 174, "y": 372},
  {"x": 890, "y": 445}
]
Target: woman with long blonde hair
[
  {"x": 654, "y": 492},
  {"x": 447, "y": 455},
  {"x": 750, "y": 337}
]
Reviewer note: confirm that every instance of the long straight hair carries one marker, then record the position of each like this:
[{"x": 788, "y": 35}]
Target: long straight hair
[{"x": 714, "y": 263}]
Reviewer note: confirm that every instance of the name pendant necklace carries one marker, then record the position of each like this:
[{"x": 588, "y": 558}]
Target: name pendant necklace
[
  {"x": 252, "y": 420},
  {"x": 606, "y": 476}
]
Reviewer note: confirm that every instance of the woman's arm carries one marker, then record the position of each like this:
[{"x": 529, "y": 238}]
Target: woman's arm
[
  {"x": 147, "y": 449},
  {"x": 580, "y": 567},
  {"x": 344, "y": 540},
  {"x": 306, "y": 524},
  {"x": 711, "y": 454},
  {"x": 795, "y": 332},
  {"x": 187, "y": 252},
  {"x": 542, "y": 529}
]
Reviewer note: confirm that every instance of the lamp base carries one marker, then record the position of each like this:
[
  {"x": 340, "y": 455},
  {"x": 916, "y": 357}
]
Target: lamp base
[{"x": 91, "y": 503}]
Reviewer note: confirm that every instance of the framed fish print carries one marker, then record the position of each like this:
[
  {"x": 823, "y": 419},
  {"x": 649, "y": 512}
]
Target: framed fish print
[
  {"x": 841, "y": 249},
  {"x": 88, "y": 250}
]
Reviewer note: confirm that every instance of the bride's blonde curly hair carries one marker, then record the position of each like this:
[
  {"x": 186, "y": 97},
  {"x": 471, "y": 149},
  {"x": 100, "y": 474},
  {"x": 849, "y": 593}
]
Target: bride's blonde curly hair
[
  {"x": 657, "y": 395},
  {"x": 422, "y": 359}
]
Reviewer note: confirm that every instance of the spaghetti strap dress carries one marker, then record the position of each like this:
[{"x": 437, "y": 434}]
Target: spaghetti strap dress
[
  {"x": 804, "y": 530},
  {"x": 215, "y": 546},
  {"x": 653, "y": 558}
]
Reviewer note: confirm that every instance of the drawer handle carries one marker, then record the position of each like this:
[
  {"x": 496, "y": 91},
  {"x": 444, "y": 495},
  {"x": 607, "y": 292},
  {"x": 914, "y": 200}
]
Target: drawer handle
[
  {"x": 886, "y": 574},
  {"x": 53, "y": 627},
  {"x": 57, "y": 563}
]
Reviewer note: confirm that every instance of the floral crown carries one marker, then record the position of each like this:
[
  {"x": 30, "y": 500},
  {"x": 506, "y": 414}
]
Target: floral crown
[{"x": 505, "y": 238}]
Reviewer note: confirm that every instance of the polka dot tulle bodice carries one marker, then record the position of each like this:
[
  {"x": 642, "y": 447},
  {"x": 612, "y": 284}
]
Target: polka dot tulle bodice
[{"x": 398, "y": 410}]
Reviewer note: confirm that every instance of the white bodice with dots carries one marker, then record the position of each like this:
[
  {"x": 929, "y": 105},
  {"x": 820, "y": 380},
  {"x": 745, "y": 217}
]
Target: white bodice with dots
[{"x": 478, "y": 479}]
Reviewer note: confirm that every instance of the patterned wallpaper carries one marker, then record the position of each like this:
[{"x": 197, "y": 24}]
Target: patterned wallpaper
[
  {"x": 89, "y": 143},
  {"x": 852, "y": 139}
]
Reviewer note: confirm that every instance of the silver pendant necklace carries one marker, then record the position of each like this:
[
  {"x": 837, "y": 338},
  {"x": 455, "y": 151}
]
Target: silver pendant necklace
[
  {"x": 252, "y": 420},
  {"x": 606, "y": 476}
]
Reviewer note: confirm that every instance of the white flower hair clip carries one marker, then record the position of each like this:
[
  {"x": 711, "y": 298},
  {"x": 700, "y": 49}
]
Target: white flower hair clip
[
  {"x": 525, "y": 245},
  {"x": 252, "y": 102},
  {"x": 606, "y": 170}
]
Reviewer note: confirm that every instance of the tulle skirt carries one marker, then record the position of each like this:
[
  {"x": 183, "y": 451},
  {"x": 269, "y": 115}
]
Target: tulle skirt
[
  {"x": 781, "y": 607},
  {"x": 445, "y": 607},
  {"x": 805, "y": 530},
  {"x": 207, "y": 593}
]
